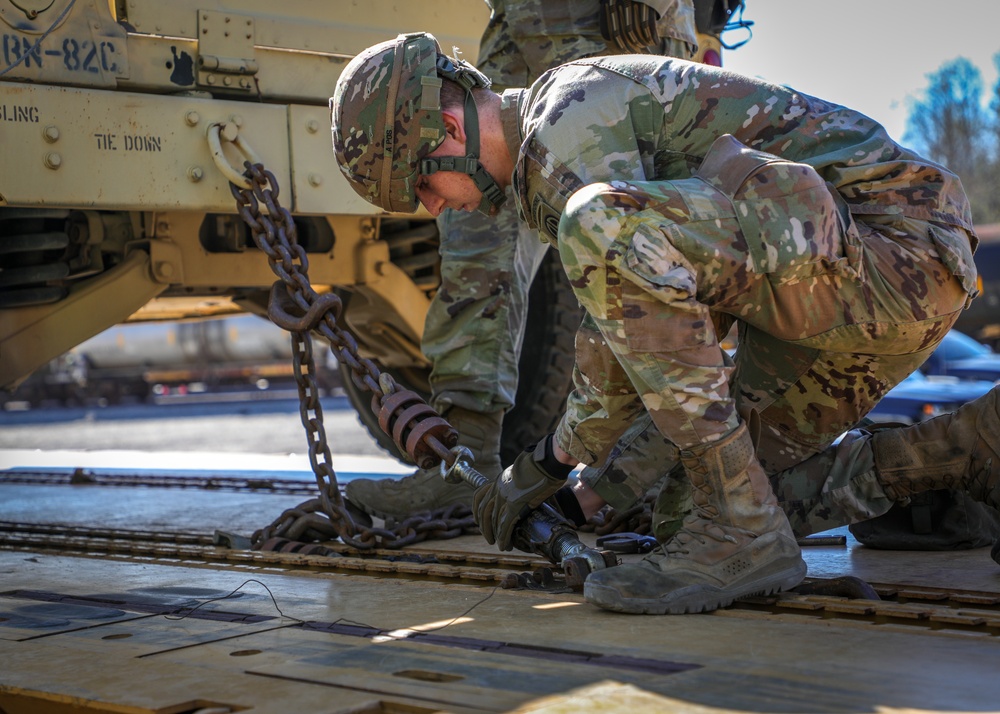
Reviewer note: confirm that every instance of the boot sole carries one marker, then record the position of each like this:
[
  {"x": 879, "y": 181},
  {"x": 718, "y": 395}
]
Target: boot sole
[{"x": 697, "y": 598}]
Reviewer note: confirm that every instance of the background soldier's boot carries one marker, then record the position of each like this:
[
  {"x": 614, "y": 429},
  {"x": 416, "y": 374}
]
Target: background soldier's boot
[
  {"x": 736, "y": 542},
  {"x": 959, "y": 451},
  {"x": 425, "y": 490}
]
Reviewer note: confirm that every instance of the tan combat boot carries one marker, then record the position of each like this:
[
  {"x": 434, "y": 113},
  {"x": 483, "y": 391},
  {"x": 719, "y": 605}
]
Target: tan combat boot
[
  {"x": 736, "y": 542},
  {"x": 426, "y": 490},
  {"x": 959, "y": 451}
]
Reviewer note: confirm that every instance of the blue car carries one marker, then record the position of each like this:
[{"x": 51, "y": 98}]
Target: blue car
[
  {"x": 961, "y": 356},
  {"x": 919, "y": 397}
]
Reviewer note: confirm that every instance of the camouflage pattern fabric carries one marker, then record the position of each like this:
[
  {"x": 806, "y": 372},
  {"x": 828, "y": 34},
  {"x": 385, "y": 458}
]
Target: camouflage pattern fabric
[
  {"x": 525, "y": 38},
  {"x": 834, "y": 487},
  {"x": 476, "y": 321},
  {"x": 383, "y": 159},
  {"x": 650, "y": 260},
  {"x": 676, "y": 192},
  {"x": 475, "y": 324}
]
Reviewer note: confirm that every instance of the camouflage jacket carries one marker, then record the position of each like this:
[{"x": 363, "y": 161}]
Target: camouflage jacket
[
  {"x": 535, "y": 35},
  {"x": 654, "y": 118},
  {"x": 647, "y": 118}
]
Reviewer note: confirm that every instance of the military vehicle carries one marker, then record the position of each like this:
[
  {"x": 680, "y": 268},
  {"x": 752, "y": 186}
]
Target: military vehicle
[{"x": 122, "y": 124}]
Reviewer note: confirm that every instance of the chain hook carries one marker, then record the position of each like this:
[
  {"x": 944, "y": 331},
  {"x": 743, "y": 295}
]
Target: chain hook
[{"x": 229, "y": 132}]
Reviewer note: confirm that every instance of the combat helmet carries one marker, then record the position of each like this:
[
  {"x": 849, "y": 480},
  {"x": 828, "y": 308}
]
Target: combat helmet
[{"x": 386, "y": 118}]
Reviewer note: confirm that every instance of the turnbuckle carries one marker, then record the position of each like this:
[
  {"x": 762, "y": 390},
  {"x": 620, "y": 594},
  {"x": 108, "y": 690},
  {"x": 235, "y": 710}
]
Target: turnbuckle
[{"x": 542, "y": 531}]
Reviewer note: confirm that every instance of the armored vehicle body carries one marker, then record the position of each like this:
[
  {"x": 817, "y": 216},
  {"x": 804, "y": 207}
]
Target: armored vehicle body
[{"x": 123, "y": 124}]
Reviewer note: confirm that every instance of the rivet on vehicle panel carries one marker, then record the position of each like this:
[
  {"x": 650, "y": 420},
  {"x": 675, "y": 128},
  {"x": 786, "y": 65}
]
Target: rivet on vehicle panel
[
  {"x": 245, "y": 83},
  {"x": 312, "y": 126},
  {"x": 195, "y": 173},
  {"x": 315, "y": 179},
  {"x": 53, "y": 160},
  {"x": 192, "y": 118},
  {"x": 211, "y": 79},
  {"x": 51, "y": 134},
  {"x": 227, "y": 81},
  {"x": 236, "y": 119}
]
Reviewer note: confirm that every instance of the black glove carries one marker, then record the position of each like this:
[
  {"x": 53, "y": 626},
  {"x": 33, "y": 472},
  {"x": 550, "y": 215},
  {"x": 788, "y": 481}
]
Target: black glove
[
  {"x": 500, "y": 505},
  {"x": 631, "y": 25}
]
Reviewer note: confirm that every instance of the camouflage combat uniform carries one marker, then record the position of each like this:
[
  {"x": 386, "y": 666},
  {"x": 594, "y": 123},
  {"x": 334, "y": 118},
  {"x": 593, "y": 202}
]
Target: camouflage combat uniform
[
  {"x": 681, "y": 198},
  {"x": 475, "y": 323}
]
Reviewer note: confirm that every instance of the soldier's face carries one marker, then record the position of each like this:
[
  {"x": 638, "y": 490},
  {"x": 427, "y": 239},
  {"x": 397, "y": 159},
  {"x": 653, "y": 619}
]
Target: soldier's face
[{"x": 448, "y": 189}]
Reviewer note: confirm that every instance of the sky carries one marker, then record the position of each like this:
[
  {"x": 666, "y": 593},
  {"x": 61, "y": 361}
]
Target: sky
[{"x": 870, "y": 55}]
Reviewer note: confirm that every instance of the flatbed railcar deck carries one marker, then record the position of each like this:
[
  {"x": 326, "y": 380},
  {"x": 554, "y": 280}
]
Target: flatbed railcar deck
[{"x": 114, "y": 597}]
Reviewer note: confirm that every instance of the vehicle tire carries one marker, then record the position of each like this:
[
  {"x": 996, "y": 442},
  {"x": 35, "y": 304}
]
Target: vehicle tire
[{"x": 545, "y": 368}]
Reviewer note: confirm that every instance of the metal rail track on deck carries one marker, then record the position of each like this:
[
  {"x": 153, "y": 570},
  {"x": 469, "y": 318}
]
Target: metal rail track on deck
[
  {"x": 193, "y": 548},
  {"x": 939, "y": 610},
  {"x": 87, "y": 477}
]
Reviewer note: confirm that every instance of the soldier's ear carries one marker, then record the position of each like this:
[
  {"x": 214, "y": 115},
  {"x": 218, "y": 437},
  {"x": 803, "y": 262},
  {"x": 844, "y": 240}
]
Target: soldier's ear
[{"x": 454, "y": 124}]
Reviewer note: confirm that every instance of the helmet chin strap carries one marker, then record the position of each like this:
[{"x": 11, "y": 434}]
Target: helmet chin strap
[{"x": 467, "y": 76}]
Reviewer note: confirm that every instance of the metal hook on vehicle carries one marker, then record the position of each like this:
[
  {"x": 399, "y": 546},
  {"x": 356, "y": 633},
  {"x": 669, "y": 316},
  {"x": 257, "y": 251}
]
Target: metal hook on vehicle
[{"x": 228, "y": 131}]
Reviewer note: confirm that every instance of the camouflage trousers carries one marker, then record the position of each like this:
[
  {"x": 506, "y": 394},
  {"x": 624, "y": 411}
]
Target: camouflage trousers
[
  {"x": 524, "y": 38},
  {"x": 475, "y": 323},
  {"x": 832, "y": 312},
  {"x": 836, "y": 487}
]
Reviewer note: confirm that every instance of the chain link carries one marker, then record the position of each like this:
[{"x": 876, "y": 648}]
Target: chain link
[{"x": 415, "y": 427}]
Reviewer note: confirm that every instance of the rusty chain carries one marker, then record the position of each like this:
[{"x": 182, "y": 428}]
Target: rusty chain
[{"x": 414, "y": 426}]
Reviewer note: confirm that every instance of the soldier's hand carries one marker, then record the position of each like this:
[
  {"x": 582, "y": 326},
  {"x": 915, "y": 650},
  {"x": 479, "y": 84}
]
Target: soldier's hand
[
  {"x": 500, "y": 505},
  {"x": 630, "y": 24}
]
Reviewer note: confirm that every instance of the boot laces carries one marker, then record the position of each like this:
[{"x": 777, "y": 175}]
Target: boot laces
[{"x": 697, "y": 528}]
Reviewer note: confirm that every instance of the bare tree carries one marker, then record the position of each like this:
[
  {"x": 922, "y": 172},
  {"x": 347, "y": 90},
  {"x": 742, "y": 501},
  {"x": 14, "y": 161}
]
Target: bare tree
[
  {"x": 993, "y": 188},
  {"x": 951, "y": 125}
]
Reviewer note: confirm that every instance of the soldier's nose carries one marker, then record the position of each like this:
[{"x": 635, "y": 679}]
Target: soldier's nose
[{"x": 432, "y": 203}]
